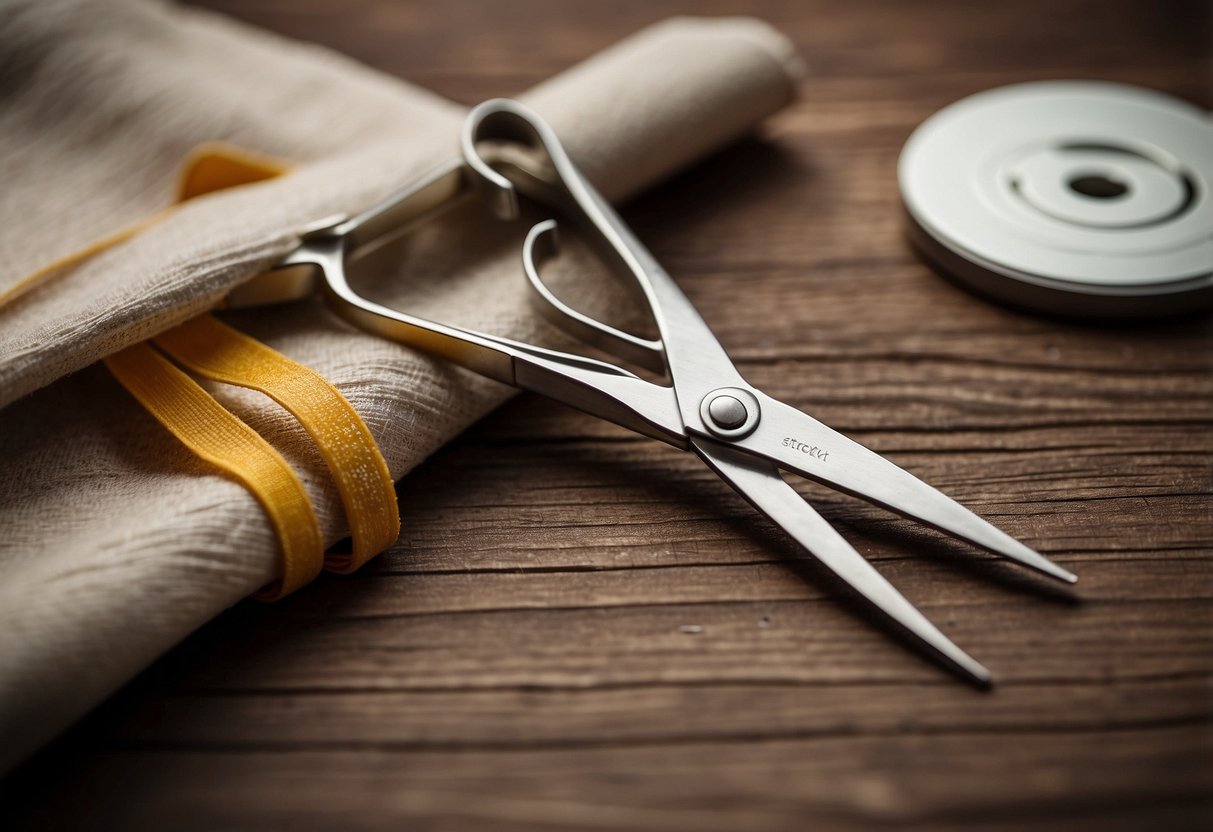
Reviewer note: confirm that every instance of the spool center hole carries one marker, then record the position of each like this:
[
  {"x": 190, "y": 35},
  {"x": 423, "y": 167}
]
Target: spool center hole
[{"x": 1098, "y": 185}]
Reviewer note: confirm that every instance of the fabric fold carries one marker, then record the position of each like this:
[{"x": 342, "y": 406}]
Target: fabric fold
[{"x": 117, "y": 543}]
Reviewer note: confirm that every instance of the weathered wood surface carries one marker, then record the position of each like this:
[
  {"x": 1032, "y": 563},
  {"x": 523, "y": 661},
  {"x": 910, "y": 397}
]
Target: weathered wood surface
[{"x": 583, "y": 629}]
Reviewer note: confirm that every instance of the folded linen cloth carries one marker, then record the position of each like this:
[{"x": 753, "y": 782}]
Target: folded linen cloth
[{"x": 116, "y": 542}]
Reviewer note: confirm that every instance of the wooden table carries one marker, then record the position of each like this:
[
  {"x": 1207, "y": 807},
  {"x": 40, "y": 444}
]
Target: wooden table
[{"x": 584, "y": 629}]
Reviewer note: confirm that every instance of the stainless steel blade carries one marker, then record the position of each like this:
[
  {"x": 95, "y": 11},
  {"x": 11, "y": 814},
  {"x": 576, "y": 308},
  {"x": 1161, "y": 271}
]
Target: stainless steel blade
[
  {"x": 760, "y": 483},
  {"x": 797, "y": 442}
]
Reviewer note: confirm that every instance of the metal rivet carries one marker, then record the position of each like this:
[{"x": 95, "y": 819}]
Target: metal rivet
[{"x": 727, "y": 412}]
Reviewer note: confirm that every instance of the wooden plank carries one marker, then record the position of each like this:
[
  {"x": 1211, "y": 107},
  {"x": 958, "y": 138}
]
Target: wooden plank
[
  {"x": 522, "y": 717},
  {"x": 578, "y": 639},
  {"x": 844, "y": 782}
]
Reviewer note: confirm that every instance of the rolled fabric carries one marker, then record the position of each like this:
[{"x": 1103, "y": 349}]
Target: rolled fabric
[{"x": 117, "y": 543}]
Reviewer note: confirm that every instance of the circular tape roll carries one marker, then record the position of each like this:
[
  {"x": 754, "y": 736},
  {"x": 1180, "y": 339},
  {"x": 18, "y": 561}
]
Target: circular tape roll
[{"x": 1080, "y": 198}]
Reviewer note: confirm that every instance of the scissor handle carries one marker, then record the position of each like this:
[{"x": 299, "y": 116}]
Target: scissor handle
[
  {"x": 326, "y": 255},
  {"x": 507, "y": 150},
  {"x": 692, "y": 358},
  {"x": 542, "y": 244}
]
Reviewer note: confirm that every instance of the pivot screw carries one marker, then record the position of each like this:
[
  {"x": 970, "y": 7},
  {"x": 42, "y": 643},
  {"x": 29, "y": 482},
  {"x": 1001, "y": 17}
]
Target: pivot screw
[{"x": 729, "y": 412}]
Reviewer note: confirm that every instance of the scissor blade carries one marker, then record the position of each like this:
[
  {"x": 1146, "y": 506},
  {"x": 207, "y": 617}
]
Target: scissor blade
[
  {"x": 760, "y": 483},
  {"x": 798, "y": 442}
]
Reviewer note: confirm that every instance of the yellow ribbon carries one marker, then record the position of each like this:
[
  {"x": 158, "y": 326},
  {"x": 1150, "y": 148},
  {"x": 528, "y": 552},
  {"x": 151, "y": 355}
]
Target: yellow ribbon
[
  {"x": 215, "y": 351},
  {"x": 214, "y": 434},
  {"x": 209, "y": 167}
]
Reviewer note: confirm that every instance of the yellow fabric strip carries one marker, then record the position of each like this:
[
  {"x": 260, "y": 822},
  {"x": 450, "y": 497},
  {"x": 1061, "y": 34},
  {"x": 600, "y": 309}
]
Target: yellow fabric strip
[
  {"x": 209, "y": 167},
  {"x": 214, "y": 350},
  {"x": 216, "y": 166},
  {"x": 214, "y": 434},
  {"x": 96, "y": 247}
]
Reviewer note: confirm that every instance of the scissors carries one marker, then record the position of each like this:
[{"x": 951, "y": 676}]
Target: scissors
[{"x": 701, "y": 404}]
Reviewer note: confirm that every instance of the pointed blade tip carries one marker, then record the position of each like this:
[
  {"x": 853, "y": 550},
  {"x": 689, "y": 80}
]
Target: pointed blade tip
[
  {"x": 1060, "y": 572},
  {"x": 974, "y": 670},
  {"x": 1031, "y": 558}
]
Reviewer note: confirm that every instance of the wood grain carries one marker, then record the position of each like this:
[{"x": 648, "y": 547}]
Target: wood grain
[{"x": 584, "y": 629}]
